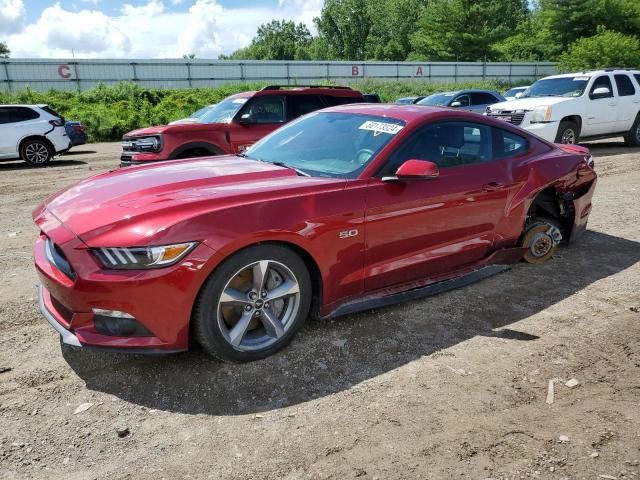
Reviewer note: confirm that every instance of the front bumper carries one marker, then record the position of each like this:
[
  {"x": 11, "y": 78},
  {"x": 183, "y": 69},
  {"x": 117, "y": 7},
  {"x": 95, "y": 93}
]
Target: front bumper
[
  {"x": 546, "y": 130},
  {"x": 160, "y": 300}
]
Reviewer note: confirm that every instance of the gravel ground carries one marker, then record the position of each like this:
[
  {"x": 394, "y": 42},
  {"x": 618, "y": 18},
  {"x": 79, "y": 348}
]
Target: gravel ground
[{"x": 453, "y": 386}]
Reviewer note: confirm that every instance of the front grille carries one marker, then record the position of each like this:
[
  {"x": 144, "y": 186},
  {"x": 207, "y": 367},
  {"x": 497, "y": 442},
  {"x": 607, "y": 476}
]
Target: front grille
[
  {"x": 56, "y": 256},
  {"x": 514, "y": 118}
]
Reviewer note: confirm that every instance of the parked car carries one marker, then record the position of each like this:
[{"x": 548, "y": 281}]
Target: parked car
[
  {"x": 408, "y": 100},
  {"x": 345, "y": 209},
  {"x": 33, "y": 133},
  {"x": 474, "y": 100},
  {"x": 515, "y": 92},
  {"x": 578, "y": 107},
  {"x": 76, "y": 132},
  {"x": 232, "y": 125},
  {"x": 195, "y": 117}
]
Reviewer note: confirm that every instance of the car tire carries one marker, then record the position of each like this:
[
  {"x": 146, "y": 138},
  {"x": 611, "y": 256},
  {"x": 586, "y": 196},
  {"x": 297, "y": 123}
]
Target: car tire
[
  {"x": 36, "y": 152},
  {"x": 632, "y": 138},
  {"x": 253, "y": 304},
  {"x": 541, "y": 237},
  {"x": 568, "y": 133}
]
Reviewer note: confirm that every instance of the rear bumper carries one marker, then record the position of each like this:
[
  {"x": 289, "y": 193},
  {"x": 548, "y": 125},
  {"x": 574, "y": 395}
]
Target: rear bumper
[{"x": 582, "y": 207}]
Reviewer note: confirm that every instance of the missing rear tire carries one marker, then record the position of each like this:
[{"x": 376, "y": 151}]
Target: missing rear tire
[{"x": 541, "y": 238}]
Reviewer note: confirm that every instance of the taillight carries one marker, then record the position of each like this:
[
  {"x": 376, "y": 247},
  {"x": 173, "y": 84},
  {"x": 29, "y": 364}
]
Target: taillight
[
  {"x": 589, "y": 160},
  {"x": 78, "y": 128},
  {"x": 56, "y": 123}
]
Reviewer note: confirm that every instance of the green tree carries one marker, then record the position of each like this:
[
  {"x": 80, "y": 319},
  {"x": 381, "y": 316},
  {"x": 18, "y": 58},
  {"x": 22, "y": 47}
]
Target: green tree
[
  {"x": 344, "y": 26},
  {"x": 569, "y": 20},
  {"x": 605, "y": 49},
  {"x": 276, "y": 40},
  {"x": 4, "y": 50},
  {"x": 466, "y": 30},
  {"x": 392, "y": 24}
]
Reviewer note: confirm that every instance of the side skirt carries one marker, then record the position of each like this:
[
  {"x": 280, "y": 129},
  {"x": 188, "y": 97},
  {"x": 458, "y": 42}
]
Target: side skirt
[{"x": 381, "y": 300}]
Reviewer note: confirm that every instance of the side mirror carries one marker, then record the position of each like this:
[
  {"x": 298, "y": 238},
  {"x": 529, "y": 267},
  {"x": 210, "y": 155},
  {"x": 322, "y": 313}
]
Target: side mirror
[
  {"x": 415, "y": 169},
  {"x": 519, "y": 94},
  {"x": 246, "y": 119},
  {"x": 601, "y": 92},
  {"x": 456, "y": 104}
]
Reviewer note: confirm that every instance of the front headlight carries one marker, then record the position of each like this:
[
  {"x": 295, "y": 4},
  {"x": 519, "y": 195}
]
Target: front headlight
[
  {"x": 135, "y": 258},
  {"x": 151, "y": 143},
  {"x": 541, "y": 114}
]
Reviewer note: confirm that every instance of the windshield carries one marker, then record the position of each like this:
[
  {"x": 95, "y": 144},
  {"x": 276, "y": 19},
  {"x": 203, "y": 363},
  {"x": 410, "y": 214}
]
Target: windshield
[
  {"x": 327, "y": 144},
  {"x": 224, "y": 111},
  {"x": 557, "y": 87},
  {"x": 514, "y": 91},
  {"x": 438, "y": 99},
  {"x": 200, "y": 113}
]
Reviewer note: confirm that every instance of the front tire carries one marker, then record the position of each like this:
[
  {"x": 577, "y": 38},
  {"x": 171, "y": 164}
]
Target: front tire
[
  {"x": 568, "y": 133},
  {"x": 36, "y": 152},
  {"x": 632, "y": 138},
  {"x": 253, "y": 304}
]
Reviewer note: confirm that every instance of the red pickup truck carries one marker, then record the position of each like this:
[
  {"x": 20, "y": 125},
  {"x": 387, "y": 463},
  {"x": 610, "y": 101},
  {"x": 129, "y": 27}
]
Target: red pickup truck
[{"x": 233, "y": 124}]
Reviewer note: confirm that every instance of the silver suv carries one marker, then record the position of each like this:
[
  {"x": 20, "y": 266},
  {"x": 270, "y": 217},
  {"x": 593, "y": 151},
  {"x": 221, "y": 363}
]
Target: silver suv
[{"x": 33, "y": 133}]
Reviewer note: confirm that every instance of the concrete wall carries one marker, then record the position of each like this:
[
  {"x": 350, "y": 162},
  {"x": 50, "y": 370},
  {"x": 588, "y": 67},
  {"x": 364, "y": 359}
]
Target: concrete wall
[{"x": 65, "y": 74}]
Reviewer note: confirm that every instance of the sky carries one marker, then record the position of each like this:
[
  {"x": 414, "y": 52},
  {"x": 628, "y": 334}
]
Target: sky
[{"x": 140, "y": 28}]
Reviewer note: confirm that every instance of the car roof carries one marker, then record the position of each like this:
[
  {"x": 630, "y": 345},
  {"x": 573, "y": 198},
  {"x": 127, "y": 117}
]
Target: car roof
[
  {"x": 591, "y": 73},
  {"x": 331, "y": 90},
  {"x": 39, "y": 105},
  {"x": 396, "y": 111}
]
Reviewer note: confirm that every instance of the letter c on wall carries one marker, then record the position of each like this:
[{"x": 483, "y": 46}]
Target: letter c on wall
[{"x": 64, "y": 71}]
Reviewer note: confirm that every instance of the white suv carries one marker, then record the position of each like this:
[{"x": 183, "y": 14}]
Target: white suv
[
  {"x": 578, "y": 107},
  {"x": 33, "y": 133}
]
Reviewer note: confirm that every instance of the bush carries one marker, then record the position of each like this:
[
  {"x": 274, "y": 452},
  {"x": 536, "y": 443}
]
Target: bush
[
  {"x": 111, "y": 111},
  {"x": 605, "y": 49}
]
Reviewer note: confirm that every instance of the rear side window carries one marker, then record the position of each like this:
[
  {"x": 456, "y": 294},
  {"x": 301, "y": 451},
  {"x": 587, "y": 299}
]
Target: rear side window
[
  {"x": 637, "y": 75},
  {"x": 483, "y": 98},
  {"x": 17, "y": 114},
  {"x": 625, "y": 87},
  {"x": 302, "y": 104},
  {"x": 51, "y": 111},
  {"x": 333, "y": 101},
  {"x": 507, "y": 144}
]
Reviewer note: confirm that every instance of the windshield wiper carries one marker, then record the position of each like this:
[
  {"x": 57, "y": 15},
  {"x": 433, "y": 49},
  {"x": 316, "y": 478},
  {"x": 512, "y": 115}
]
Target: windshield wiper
[{"x": 297, "y": 170}]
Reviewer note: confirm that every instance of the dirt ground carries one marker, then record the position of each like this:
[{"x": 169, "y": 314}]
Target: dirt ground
[{"x": 452, "y": 386}]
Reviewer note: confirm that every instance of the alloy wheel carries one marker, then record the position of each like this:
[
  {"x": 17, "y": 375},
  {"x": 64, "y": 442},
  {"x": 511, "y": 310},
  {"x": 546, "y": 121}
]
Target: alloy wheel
[
  {"x": 36, "y": 153},
  {"x": 258, "y": 305},
  {"x": 568, "y": 137}
]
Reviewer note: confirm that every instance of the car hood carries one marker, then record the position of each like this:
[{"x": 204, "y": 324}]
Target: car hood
[
  {"x": 134, "y": 206},
  {"x": 529, "y": 103},
  {"x": 175, "y": 128}
]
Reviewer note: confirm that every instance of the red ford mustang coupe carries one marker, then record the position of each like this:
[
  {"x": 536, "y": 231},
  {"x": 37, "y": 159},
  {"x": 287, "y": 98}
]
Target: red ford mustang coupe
[{"x": 344, "y": 209}]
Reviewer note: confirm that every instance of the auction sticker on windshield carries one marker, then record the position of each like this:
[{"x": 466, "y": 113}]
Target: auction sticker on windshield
[{"x": 381, "y": 127}]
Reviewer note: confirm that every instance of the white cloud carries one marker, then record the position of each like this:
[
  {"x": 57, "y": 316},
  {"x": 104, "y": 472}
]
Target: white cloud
[
  {"x": 11, "y": 16},
  {"x": 153, "y": 8},
  {"x": 150, "y": 30}
]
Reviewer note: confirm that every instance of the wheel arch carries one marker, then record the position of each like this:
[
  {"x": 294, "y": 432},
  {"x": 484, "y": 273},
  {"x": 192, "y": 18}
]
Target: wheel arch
[
  {"x": 36, "y": 137},
  {"x": 551, "y": 202},
  {"x": 210, "y": 148},
  {"x": 310, "y": 262},
  {"x": 577, "y": 119}
]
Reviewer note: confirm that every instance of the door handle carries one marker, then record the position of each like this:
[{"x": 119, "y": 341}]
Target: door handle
[{"x": 492, "y": 187}]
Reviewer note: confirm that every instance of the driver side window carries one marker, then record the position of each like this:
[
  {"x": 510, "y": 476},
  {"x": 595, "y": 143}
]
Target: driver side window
[
  {"x": 602, "y": 81},
  {"x": 265, "y": 109},
  {"x": 463, "y": 99},
  {"x": 447, "y": 144}
]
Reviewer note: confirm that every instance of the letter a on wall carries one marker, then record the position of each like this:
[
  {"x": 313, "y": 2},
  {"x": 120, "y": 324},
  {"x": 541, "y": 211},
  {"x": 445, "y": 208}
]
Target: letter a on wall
[{"x": 419, "y": 71}]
